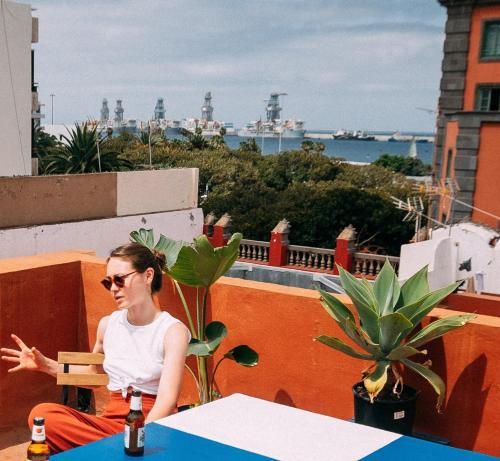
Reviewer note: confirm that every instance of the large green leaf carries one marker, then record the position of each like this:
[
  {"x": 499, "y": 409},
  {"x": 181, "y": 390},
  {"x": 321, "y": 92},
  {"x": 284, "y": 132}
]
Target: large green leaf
[
  {"x": 392, "y": 328},
  {"x": 341, "y": 346},
  {"x": 414, "y": 288},
  {"x": 200, "y": 265},
  {"x": 386, "y": 289},
  {"x": 377, "y": 379},
  {"x": 144, "y": 237},
  {"x": 170, "y": 248},
  {"x": 336, "y": 308},
  {"x": 215, "y": 333},
  {"x": 434, "y": 379},
  {"x": 243, "y": 355},
  {"x": 419, "y": 309},
  {"x": 439, "y": 328}
]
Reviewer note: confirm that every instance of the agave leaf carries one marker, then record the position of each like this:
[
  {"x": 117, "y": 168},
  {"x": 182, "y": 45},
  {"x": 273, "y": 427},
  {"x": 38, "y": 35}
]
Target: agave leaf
[
  {"x": 403, "y": 352},
  {"x": 356, "y": 289},
  {"x": 418, "y": 310},
  {"x": 243, "y": 355},
  {"x": 386, "y": 289},
  {"x": 336, "y": 308},
  {"x": 392, "y": 328},
  {"x": 354, "y": 332},
  {"x": 200, "y": 264},
  {"x": 439, "y": 328},
  {"x": 434, "y": 379},
  {"x": 363, "y": 300},
  {"x": 215, "y": 333},
  {"x": 414, "y": 288},
  {"x": 377, "y": 379},
  {"x": 341, "y": 346}
]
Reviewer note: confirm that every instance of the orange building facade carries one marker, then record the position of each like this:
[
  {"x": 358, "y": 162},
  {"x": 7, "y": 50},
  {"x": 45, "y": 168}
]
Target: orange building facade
[{"x": 468, "y": 126}]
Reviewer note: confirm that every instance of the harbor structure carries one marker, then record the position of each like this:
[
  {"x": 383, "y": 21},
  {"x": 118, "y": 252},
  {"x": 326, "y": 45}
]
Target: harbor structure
[
  {"x": 273, "y": 126},
  {"x": 20, "y": 108},
  {"x": 468, "y": 122}
]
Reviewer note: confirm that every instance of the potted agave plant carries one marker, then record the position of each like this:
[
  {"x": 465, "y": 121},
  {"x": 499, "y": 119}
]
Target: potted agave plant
[
  {"x": 200, "y": 265},
  {"x": 383, "y": 324}
]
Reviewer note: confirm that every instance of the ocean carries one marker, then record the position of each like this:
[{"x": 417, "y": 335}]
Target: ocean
[{"x": 351, "y": 150}]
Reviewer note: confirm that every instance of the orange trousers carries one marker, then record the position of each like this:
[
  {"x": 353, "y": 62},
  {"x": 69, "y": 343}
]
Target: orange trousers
[{"x": 66, "y": 428}]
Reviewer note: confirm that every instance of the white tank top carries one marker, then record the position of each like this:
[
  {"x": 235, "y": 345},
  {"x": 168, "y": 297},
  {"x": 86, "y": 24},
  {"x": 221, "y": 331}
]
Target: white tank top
[{"x": 133, "y": 355}]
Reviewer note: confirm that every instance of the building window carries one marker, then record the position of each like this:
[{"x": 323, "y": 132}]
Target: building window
[
  {"x": 488, "y": 98},
  {"x": 449, "y": 162},
  {"x": 490, "y": 46}
]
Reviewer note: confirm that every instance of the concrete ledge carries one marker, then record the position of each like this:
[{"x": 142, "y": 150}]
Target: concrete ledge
[
  {"x": 29, "y": 201},
  {"x": 157, "y": 190}
]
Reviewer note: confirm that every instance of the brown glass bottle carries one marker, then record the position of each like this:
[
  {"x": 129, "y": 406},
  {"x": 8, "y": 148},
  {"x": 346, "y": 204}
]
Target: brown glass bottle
[
  {"x": 134, "y": 426},
  {"x": 38, "y": 450}
]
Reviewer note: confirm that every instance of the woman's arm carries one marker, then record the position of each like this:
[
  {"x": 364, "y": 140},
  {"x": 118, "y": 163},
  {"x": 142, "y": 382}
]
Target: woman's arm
[
  {"x": 176, "y": 342},
  {"x": 31, "y": 359}
]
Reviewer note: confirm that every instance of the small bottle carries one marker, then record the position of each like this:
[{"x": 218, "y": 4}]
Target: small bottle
[
  {"x": 38, "y": 450},
  {"x": 134, "y": 426}
]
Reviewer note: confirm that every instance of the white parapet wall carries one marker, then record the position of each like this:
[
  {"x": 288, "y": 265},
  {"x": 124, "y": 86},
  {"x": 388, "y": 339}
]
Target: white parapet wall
[
  {"x": 100, "y": 235},
  {"x": 15, "y": 88}
]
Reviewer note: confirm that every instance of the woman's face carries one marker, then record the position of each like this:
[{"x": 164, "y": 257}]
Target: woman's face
[{"x": 137, "y": 286}]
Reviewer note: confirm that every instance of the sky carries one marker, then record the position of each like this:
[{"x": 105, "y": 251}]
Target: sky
[{"x": 354, "y": 64}]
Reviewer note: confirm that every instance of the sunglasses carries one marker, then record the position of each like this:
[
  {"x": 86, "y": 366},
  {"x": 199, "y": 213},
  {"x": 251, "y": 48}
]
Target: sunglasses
[{"x": 118, "y": 280}]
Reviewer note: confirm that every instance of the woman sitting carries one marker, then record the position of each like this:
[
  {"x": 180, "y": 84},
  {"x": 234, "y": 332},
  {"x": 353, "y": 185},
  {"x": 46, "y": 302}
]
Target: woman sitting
[{"x": 144, "y": 348}]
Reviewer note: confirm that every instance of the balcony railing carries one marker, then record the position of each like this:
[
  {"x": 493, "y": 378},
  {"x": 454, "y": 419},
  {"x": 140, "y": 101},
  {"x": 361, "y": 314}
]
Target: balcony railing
[
  {"x": 310, "y": 257},
  {"x": 254, "y": 250},
  {"x": 370, "y": 264}
]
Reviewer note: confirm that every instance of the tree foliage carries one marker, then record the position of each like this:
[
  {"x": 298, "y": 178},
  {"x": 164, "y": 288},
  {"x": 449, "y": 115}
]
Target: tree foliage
[
  {"x": 78, "y": 153},
  {"x": 405, "y": 165}
]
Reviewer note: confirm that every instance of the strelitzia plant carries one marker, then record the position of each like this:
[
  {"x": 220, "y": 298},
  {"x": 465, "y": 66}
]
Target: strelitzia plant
[
  {"x": 200, "y": 265},
  {"x": 382, "y": 323}
]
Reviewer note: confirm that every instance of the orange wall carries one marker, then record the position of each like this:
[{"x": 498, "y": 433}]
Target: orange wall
[
  {"x": 488, "y": 175},
  {"x": 280, "y": 323},
  {"x": 471, "y": 302},
  {"x": 39, "y": 303},
  {"x": 450, "y": 142},
  {"x": 479, "y": 71}
]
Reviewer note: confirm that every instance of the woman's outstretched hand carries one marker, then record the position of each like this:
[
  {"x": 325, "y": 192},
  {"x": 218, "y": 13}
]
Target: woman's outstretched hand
[{"x": 26, "y": 358}]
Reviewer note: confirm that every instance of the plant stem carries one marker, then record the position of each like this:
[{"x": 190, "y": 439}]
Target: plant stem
[
  {"x": 194, "y": 377},
  {"x": 198, "y": 315},
  {"x": 204, "y": 312},
  {"x": 186, "y": 309},
  {"x": 202, "y": 373},
  {"x": 210, "y": 389}
]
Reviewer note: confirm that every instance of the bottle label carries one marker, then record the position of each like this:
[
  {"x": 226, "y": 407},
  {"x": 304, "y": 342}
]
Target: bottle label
[
  {"x": 136, "y": 403},
  {"x": 38, "y": 434},
  {"x": 134, "y": 438}
]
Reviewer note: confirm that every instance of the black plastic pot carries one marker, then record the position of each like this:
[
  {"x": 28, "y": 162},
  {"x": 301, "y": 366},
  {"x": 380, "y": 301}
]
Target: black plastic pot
[{"x": 388, "y": 414}]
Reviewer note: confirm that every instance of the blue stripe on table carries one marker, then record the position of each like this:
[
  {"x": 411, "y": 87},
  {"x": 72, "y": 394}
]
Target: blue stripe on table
[
  {"x": 412, "y": 449},
  {"x": 162, "y": 443}
]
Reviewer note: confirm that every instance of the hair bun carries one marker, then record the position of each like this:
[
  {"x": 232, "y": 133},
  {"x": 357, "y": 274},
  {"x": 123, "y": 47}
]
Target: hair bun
[{"x": 160, "y": 257}]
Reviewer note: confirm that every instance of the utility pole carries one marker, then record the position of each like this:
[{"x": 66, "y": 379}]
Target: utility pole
[{"x": 52, "y": 108}]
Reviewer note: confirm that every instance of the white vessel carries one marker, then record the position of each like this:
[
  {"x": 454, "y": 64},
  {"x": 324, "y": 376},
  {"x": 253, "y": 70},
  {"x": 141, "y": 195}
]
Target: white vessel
[{"x": 273, "y": 126}]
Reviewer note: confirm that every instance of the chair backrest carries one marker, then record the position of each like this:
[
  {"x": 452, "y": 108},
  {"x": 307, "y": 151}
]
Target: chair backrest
[{"x": 81, "y": 379}]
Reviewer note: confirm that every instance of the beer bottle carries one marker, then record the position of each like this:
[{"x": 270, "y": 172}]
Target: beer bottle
[
  {"x": 134, "y": 426},
  {"x": 38, "y": 450}
]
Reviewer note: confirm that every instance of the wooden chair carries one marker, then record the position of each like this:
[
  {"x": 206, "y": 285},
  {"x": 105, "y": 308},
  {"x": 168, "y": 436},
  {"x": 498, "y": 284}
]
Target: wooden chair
[{"x": 79, "y": 379}]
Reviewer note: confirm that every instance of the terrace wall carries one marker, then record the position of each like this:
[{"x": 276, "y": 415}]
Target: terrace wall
[{"x": 55, "y": 302}]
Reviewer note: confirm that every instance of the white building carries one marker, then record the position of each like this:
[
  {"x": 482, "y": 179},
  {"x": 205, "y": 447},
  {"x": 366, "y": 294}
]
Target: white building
[{"x": 17, "y": 31}]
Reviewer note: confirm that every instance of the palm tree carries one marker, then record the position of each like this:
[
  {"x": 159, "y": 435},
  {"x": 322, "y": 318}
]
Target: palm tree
[{"x": 79, "y": 154}]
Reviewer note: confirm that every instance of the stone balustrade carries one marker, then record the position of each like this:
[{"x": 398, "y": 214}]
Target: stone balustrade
[{"x": 254, "y": 250}]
